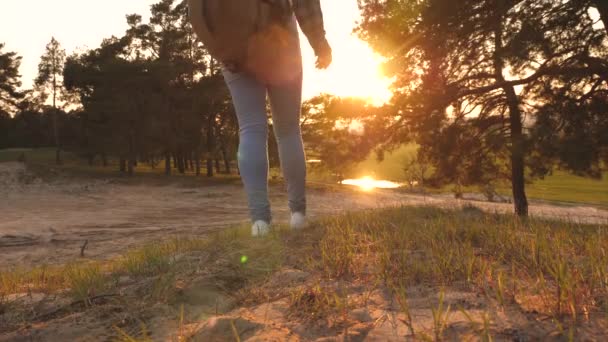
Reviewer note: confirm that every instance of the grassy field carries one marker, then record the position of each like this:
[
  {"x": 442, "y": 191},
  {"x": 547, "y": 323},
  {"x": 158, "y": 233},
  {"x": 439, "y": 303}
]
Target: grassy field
[
  {"x": 440, "y": 275},
  {"x": 568, "y": 188},
  {"x": 560, "y": 186}
]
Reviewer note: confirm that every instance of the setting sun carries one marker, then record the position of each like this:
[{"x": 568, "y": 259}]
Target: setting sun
[{"x": 356, "y": 70}]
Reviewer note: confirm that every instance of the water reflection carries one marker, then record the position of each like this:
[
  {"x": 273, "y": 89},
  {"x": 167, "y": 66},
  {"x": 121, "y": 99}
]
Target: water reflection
[{"x": 369, "y": 183}]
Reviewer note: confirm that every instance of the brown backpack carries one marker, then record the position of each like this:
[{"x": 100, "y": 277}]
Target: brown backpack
[{"x": 253, "y": 36}]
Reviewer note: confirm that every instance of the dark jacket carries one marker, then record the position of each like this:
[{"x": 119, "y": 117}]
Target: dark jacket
[{"x": 310, "y": 18}]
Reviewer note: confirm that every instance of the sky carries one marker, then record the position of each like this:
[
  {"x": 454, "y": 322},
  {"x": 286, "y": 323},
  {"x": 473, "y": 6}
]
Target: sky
[{"x": 26, "y": 26}]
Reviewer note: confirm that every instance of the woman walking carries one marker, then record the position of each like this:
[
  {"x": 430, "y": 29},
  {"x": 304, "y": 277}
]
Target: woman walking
[
  {"x": 249, "y": 97},
  {"x": 271, "y": 68}
]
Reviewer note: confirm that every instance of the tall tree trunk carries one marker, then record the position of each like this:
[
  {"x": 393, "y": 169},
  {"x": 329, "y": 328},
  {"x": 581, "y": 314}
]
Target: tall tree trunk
[
  {"x": 90, "y": 159},
  {"x": 218, "y": 169},
  {"x": 226, "y": 161},
  {"x": 517, "y": 153},
  {"x": 55, "y": 119},
  {"x": 130, "y": 168},
  {"x": 209, "y": 167},
  {"x": 123, "y": 165},
  {"x": 167, "y": 163},
  {"x": 210, "y": 144},
  {"x": 197, "y": 160},
  {"x": 181, "y": 166},
  {"x": 516, "y": 128},
  {"x": 602, "y": 7},
  {"x": 104, "y": 159},
  {"x": 131, "y": 161}
]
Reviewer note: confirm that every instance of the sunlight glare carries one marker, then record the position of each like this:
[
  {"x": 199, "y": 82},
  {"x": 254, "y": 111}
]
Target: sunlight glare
[
  {"x": 368, "y": 184},
  {"x": 356, "y": 70}
]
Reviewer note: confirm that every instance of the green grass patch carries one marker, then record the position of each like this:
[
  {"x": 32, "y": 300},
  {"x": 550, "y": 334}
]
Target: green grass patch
[
  {"x": 150, "y": 260},
  {"x": 85, "y": 281},
  {"x": 390, "y": 168},
  {"x": 564, "y": 187},
  {"x": 559, "y": 187}
]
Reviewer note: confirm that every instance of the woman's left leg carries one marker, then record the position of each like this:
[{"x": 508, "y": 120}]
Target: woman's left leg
[{"x": 286, "y": 102}]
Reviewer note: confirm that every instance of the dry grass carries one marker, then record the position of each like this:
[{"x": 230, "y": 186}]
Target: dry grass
[
  {"x": 413, "y": 246},
  {"x": 557, "y": 270}
]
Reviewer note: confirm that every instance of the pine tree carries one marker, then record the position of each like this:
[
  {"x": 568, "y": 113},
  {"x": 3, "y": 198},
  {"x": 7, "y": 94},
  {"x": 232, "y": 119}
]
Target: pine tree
[
  {"x": 50, "y": 84},
  {"x": 327, "y": 128},
  {"x": 10, "y": 81},
  {"x": 487, "y": 87},
  {"x": 150, "y": 94}
]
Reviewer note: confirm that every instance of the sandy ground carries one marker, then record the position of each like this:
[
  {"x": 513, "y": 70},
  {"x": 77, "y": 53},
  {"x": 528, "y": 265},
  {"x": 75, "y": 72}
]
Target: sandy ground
[{"x": 47, "y": 222}]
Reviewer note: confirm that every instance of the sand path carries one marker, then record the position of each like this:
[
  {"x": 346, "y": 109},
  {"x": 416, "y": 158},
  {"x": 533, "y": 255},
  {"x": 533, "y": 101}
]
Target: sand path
[{"x": 46, "y": 223}]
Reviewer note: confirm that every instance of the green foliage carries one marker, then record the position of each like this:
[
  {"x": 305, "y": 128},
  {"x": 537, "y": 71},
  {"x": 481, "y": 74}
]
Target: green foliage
[
  {"x": 5, "y": 129},
  {"x": 49, "y": 82},
  {"x": 560, "y": 186},
  {"x": 491, "y": 88},
  {"x": 9, "y": 82},
  {"x": 467, "y": 75},
  {"x": 153, "y": 94},
  {"x": 336, "y": 133},
  {"x": 390, "y": 166}
]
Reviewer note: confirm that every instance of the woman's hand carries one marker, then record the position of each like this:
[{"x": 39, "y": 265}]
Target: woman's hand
[{"x": 324, "y": 55}]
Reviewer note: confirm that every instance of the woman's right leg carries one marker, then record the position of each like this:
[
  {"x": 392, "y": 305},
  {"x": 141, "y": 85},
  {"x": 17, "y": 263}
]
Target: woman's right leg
[{"x": 249, "y": 99}]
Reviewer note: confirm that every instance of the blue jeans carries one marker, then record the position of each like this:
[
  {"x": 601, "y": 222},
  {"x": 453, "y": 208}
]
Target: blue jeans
[{"x": 249, "y": 98}]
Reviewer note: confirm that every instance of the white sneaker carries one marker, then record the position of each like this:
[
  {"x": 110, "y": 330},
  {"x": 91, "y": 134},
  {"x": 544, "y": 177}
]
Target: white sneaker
[
  {"x": 298, "y": 221},
  {"x": 260, "y": 228}
]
